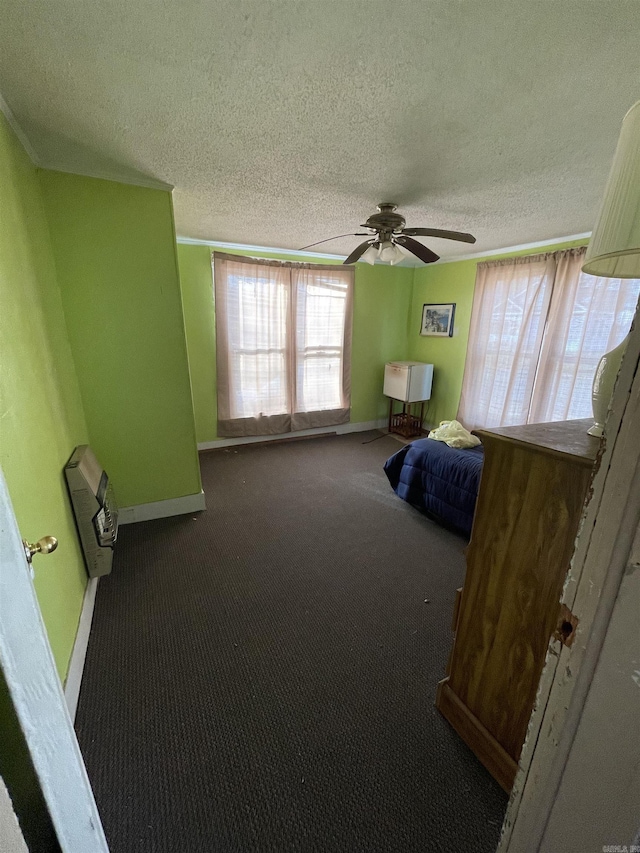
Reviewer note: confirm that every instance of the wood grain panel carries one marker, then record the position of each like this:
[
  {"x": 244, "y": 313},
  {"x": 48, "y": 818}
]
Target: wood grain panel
[
  {"x": 454, "y": 625},
  {"x": 528, "y": 511},
  {"x": 494, "y": 757},
  {"x": 566, "y": 438}
]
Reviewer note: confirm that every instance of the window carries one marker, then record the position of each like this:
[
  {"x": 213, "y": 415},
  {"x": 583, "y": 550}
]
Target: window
[
  {"x": 283, "y": 342},
  {"x": 538, "y": 329}
]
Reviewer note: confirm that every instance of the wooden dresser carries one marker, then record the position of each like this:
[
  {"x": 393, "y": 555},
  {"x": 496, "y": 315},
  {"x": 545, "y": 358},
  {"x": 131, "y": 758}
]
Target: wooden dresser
[{"x": 534, "y": 482}]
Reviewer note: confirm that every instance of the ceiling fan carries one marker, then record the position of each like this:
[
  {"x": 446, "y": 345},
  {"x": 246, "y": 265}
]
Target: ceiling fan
[{"x": 391, "y": 241}]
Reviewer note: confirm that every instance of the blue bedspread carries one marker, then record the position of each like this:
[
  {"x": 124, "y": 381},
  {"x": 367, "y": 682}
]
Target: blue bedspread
[{"x": 438, "y": 480}]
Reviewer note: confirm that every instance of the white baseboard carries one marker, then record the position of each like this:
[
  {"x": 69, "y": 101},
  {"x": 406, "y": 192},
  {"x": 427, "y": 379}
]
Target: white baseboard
[
  {"x": 340, "y": 429},
  {"x": 79, "y": 653},
  {"x": 162, "y": 509},
  {"x": 126, "y": 515}
]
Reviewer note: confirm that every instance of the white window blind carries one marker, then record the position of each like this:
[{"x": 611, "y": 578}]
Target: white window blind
[
  {"x": 539, "y": 326},
  {"x": 283, "y": 344}
]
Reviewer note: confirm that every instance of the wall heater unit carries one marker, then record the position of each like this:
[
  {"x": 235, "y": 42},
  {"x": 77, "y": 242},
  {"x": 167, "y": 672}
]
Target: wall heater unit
[{"x": 95, "y": 509}]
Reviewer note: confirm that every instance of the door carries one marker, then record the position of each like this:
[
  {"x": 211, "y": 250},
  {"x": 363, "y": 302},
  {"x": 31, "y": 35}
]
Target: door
[
  {"x": 598, "y": 800},
  {"x": 41, "y": 761},
  {"x": 582, "y": 738}
]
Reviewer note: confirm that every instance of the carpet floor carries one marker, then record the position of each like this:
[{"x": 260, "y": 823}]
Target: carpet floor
[{"x": 261, "y": 676}]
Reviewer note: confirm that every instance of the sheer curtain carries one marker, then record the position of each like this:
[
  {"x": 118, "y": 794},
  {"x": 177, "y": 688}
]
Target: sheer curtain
[
  {"x": 323, "y": 313},
  {"x": 510, "y": 306},
  {"x": 589, "y": 316},
  {"x": 253, "y": 304},
  {"x": 539, "y": 327},
  {"x": 283, "y": 345}
]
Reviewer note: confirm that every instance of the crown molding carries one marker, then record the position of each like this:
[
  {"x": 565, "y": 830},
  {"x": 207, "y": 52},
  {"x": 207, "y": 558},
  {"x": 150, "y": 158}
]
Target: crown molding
[
  {"x": 257, "y": 250},
  {"x": 508, "y": 250},
  {"x": 6, "y": 110},
  {"x": 142, "y": 181}
]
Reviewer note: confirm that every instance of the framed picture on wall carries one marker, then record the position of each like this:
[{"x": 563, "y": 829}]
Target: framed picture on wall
[{"x": 437, "y": 319}]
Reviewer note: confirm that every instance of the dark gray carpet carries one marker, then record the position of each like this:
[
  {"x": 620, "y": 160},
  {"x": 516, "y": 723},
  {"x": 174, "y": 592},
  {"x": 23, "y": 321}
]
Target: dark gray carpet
[{"x": 261, "y": 676}]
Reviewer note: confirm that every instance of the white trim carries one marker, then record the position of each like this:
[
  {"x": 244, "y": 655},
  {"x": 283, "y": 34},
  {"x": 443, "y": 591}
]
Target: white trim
[
  {"x": 36, "y": 695},
  {"x": 260, "y": 251},
  {"x": 257, "y": 250},
  {"x": 340, "y": 429},
  {"x": 142, "y": 181},
  {"x": 162, "y": 509},
  {"x": 492, "y": 253},
  {"x": 6, "y": 110},
  {"x": 79, "y": 653}
]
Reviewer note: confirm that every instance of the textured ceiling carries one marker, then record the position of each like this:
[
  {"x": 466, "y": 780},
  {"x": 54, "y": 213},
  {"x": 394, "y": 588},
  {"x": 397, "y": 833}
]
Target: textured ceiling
[{"x": 281, "y": 123}]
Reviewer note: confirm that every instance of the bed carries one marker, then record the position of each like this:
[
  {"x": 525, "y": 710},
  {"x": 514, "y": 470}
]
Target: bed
[{"x": 439, "y": 480}]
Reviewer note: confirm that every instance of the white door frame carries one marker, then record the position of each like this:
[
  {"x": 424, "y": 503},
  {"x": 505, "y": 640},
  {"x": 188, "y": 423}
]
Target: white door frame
[
  {"x": 604, "y": 548},
  {"x": 36, "y": 694}
]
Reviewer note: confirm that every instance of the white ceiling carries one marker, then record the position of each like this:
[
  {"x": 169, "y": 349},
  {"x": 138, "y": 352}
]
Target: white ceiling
[{"x": 281, "y": 122}]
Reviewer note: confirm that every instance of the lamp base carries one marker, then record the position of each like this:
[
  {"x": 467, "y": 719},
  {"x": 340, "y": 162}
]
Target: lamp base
[{"x": 603, "y": 384}]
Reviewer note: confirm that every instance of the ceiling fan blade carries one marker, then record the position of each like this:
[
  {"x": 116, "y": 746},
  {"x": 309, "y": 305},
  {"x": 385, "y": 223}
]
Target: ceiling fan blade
[
  {"x": 358, "y": 252},
  {"x": 461, "y": 236},
  {"x": 417, "y": 249},
  {"x": 357, "y": 234}
]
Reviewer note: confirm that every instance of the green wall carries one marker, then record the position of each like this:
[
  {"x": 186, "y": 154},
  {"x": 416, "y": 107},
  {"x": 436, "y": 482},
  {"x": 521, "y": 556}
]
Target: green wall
[
  {"x": 450, "y": 282},
  {"x": 386, "y": 326},
  {"x": 92, "y": 338},
  {"x": 114, "y": 248},
  {"x": 199, "y": 316},
  {"x": 380, "y": 327},
  {"x": 382, "y": 302},
  {"x": 41, "y": 417}
]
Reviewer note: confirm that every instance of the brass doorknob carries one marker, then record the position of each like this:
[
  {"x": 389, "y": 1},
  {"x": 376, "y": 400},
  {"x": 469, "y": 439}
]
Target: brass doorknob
[{"x": 43, "y": 546}]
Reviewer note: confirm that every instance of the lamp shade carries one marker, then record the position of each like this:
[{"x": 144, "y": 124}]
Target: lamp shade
[
  {"x": 390, "y": 253},
  {"x": 387, "y": 252},
  {"x": 614, "y": 248},
  {"x": 370, "y": 255}
]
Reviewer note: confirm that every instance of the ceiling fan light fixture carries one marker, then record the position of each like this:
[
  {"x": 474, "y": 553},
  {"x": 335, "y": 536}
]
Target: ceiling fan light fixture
[
  {"x": 388, "y": 253},
  {"x": 391, "y": 242},
  {"x": 370, "y": 255}
]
